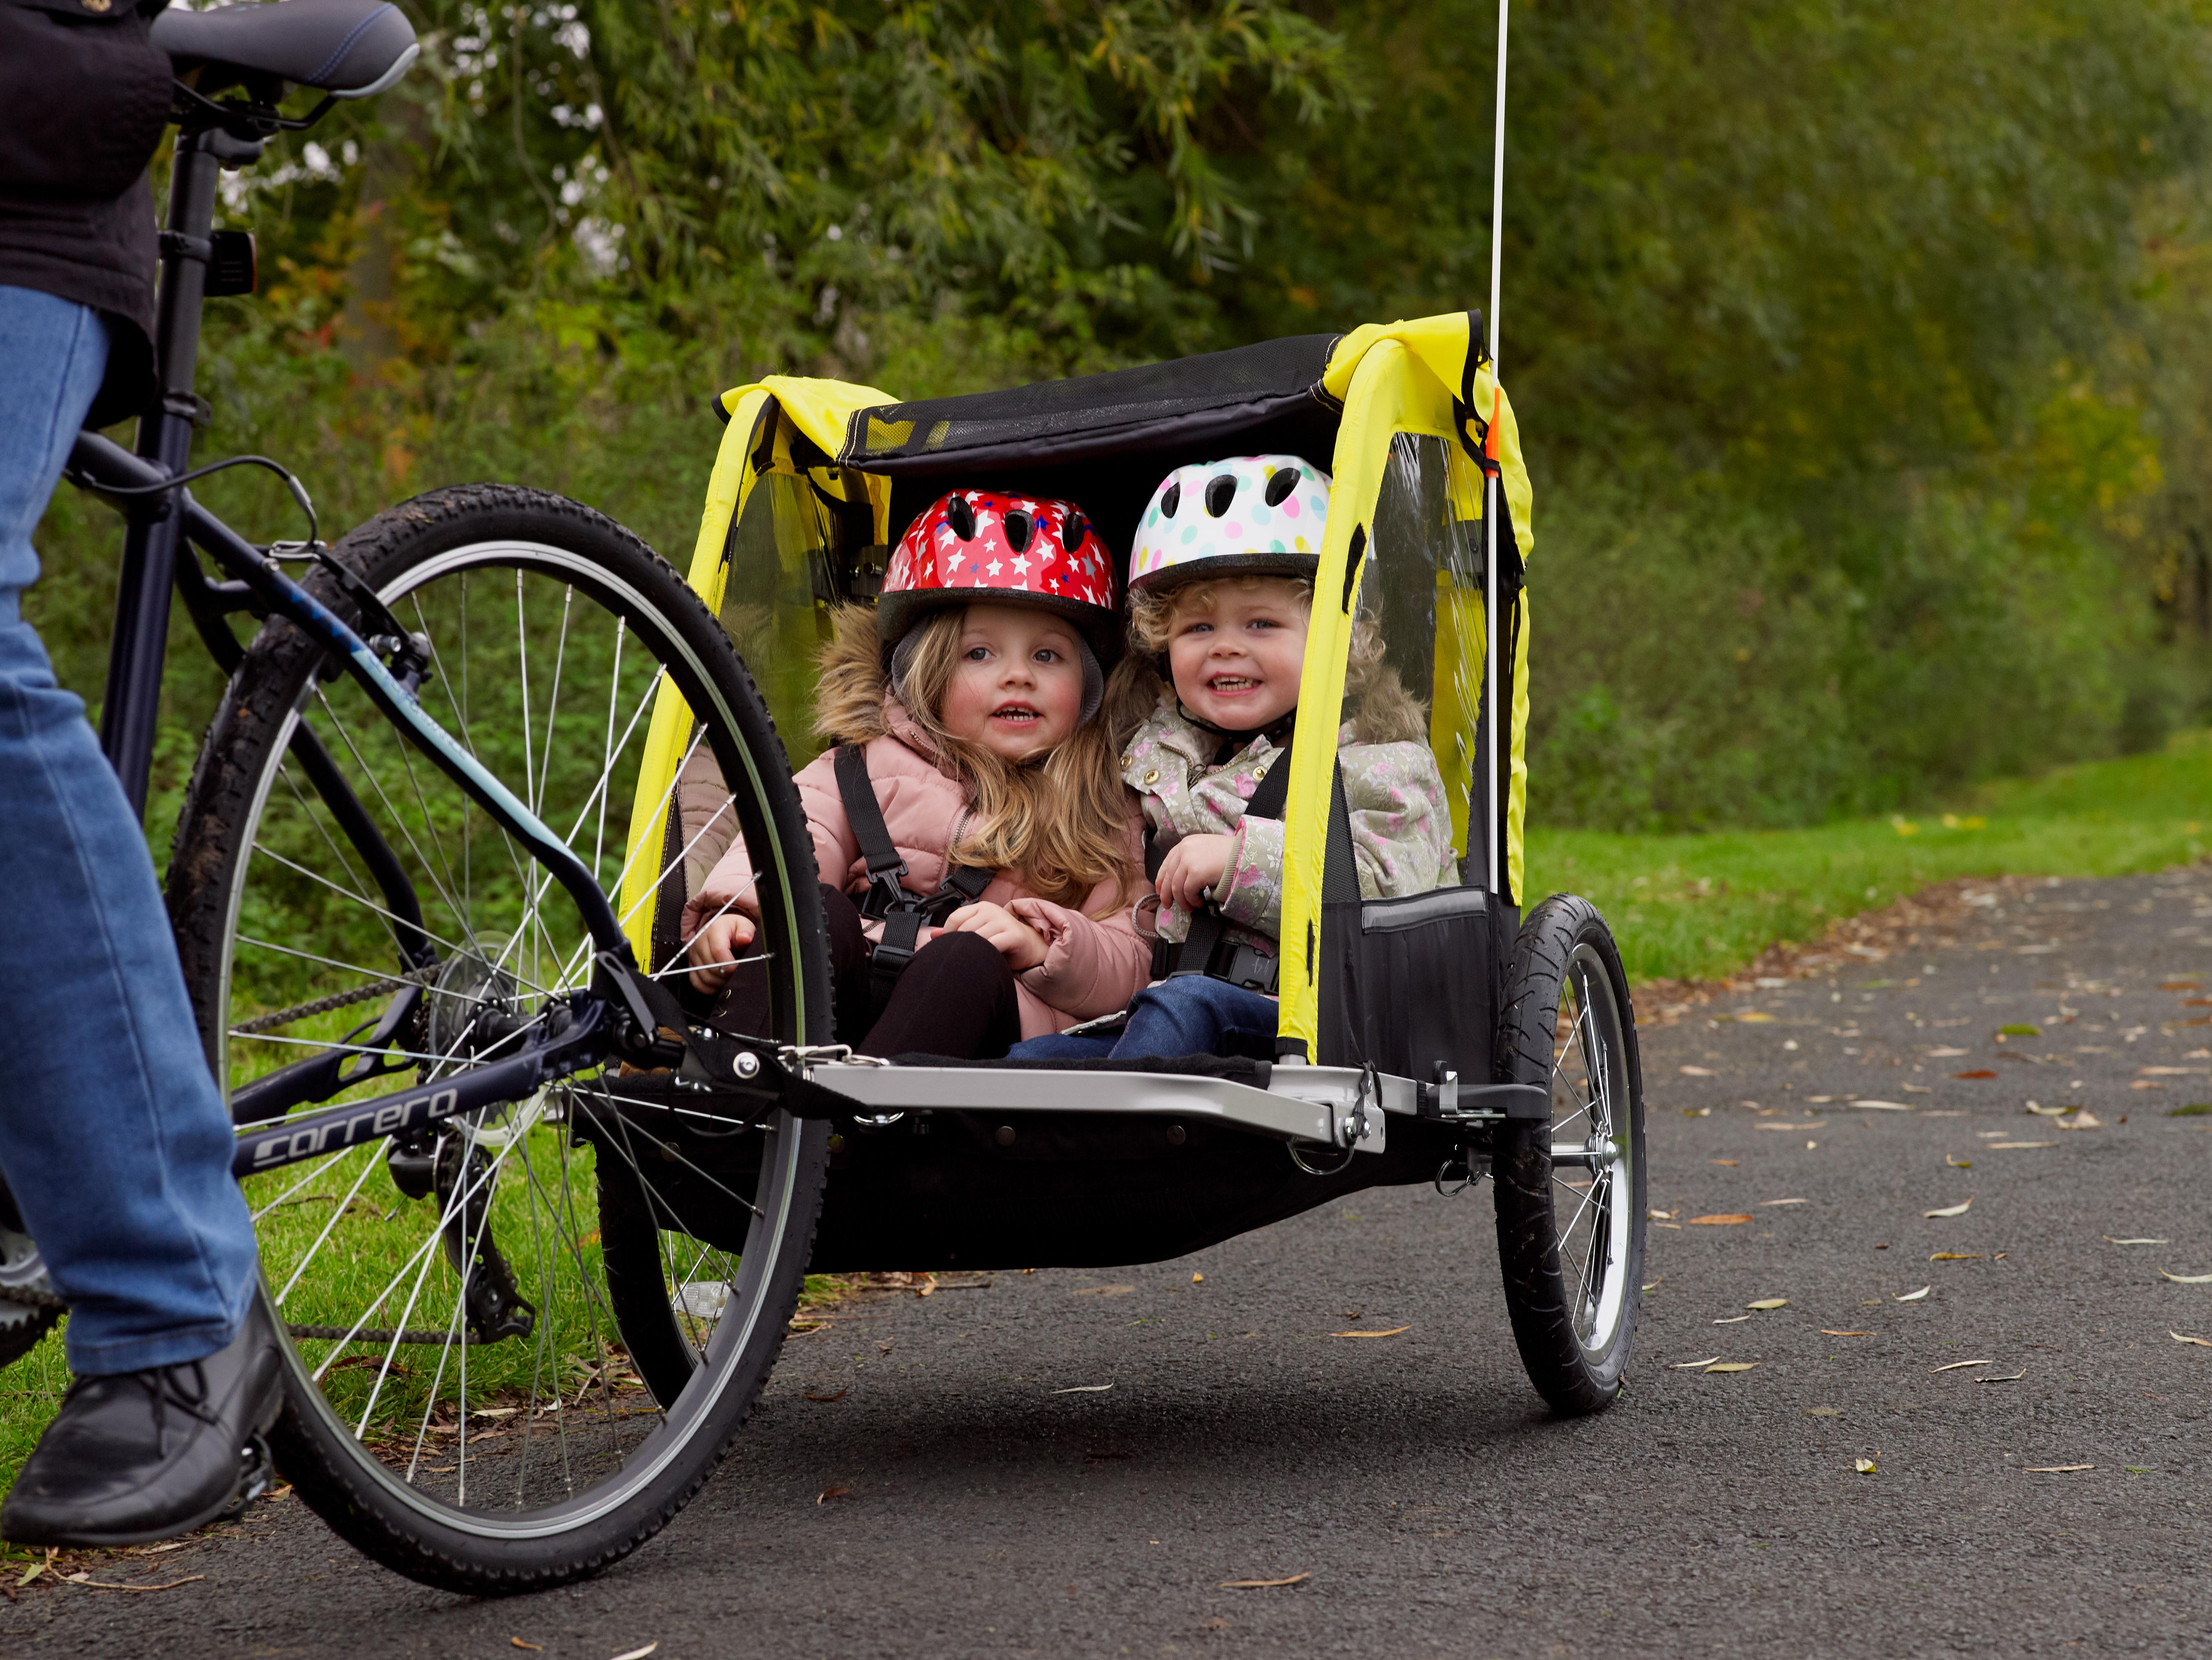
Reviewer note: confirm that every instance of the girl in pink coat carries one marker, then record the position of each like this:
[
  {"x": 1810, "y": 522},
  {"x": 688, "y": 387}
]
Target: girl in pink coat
[{"x": 970, "y": 698}]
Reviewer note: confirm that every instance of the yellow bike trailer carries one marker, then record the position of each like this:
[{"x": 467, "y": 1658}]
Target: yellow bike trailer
[{"x": 1440, "y": 1037}]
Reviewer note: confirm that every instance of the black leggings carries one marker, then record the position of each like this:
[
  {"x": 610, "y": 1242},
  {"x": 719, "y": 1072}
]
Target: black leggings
[{"x": 957, "y": 998}]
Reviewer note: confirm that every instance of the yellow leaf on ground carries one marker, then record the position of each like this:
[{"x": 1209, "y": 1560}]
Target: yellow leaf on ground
[
  {"x": 519, "y": 1643},
  {"x": 1914, "y": 1296},
  {"x": 1959, "y": 1209},
  {"x": 1955, "y": 1364},
  {"x": 1699, "y": 1365},
  {"x": 1769, "y": 1303},
  {"x": 1723, "y": 1219},
  {"x": 1732, "y": 1365},
  {"x": 1697, "y": 1072},
  {"x": 1784, "y": 1201},
  {"x": 1393, "y": 1332},
  {"x": 1863, "y": 1466},
  {"x": 2189, "y": 1278},
  {"x": 2201, "y": 1343},
  {"x": 2053, "y": 1470},
  {"x": 1880, "y": 1106},
  {"x": 1260, "y": 1585},
  {"x": 1828, "y": 1331},
  {"x": 1956, "y": 1257}
]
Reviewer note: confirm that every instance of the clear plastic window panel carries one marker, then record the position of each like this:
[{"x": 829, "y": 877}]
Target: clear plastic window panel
[{"x": 1415, "y": 671}]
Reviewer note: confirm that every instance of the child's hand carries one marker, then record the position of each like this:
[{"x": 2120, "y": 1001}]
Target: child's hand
[
  {"x": 1192, "y": 865},
  {"x": 1021, "y": 945},
  {"x": 713, "y": 947}
]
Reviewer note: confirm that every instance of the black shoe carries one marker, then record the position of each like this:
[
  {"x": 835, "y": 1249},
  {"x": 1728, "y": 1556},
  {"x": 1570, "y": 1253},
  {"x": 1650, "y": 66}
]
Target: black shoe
[{"x": 141, "y": 1456}]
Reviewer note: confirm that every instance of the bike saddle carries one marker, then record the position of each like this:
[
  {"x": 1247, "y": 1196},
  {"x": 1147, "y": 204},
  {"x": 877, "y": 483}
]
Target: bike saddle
[{"x": 347, "y": 48}]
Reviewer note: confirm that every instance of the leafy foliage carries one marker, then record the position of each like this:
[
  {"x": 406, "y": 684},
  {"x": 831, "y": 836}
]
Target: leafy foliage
[{"x": 1862, "y": 348}]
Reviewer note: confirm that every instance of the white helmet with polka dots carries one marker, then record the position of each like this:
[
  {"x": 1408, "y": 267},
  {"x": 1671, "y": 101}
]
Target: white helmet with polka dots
[{"x": 1250, "y": 515}]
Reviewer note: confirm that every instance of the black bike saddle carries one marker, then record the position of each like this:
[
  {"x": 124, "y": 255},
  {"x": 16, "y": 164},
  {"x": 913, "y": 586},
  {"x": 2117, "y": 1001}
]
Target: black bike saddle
[{"x": 347, "y": 48}]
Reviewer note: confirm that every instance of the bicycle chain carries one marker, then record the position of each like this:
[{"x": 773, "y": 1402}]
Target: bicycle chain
[
  {"x": 29, "y": 1297},
  {"x": 336, "y": 1000}
]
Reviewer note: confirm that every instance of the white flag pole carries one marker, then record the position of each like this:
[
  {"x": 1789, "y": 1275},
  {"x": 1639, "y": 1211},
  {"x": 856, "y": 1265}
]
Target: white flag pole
[{"x": 1492, "y": 832}]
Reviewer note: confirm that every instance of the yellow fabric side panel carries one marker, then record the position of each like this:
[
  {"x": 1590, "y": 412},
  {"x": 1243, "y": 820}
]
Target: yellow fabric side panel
[
  {"x": 820, "y": 409},
  {"x": 1390, "y": 393},
  {"x": 1442, "y": 345},
  {"x": 671, "y": 728}
]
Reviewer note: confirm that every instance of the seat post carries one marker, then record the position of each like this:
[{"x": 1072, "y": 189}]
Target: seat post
[{"x": 131, "y": 706}]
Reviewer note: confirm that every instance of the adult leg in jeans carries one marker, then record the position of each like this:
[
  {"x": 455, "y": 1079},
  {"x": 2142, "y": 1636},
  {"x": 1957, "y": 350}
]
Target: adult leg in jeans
[
  {"x": 1193, "y": 1014},
  {"x": 114, "y": 1142}
]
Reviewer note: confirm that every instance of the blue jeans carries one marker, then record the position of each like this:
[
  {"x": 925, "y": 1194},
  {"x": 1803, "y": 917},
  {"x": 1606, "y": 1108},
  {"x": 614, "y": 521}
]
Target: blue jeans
[
  {"x": 1188, "y": 1015},
  {"x": 114, "y": 1140}
]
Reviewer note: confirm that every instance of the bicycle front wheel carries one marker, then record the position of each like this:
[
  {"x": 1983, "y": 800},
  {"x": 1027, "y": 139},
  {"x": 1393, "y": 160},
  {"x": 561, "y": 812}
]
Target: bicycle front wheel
[{"x": 518, "y": 1343}]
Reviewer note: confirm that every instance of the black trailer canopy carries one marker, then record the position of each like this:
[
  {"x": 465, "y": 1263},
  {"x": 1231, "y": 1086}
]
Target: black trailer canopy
[{"x": 1103, "y": 440}]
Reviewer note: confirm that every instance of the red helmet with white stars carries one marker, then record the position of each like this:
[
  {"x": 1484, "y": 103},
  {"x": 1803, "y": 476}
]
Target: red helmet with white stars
[{"x": 986, "y": 547}]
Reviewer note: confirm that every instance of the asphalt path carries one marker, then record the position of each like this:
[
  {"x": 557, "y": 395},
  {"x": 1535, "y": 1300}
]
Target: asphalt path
[{"x": 951, "y": 1499}]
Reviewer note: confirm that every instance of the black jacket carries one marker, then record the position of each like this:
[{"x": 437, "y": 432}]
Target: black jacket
[{"x": 83, "y": 97}]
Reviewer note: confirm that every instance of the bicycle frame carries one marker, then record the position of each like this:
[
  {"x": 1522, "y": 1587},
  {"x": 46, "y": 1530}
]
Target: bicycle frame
[{"x": 164, "y": 527}]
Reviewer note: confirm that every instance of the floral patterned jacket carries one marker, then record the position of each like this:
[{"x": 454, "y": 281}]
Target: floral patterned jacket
[{"x": 1402, "y": 827}]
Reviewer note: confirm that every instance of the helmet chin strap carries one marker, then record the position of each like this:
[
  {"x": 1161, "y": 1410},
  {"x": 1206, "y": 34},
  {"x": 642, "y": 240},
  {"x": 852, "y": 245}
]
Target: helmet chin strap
[{"x": 1278, "y": 731}]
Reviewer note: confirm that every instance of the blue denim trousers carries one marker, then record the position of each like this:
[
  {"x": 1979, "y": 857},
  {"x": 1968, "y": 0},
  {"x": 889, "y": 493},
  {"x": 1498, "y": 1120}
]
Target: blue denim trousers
[
  {"x": 1190, "y": 1014},
  {"x": 114, "y": 1140}
]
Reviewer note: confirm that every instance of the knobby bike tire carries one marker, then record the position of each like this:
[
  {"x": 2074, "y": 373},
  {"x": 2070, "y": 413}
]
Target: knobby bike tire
[
  {"x": 353, "y": 1487},
  {"x": 1576, "y": 1372}
]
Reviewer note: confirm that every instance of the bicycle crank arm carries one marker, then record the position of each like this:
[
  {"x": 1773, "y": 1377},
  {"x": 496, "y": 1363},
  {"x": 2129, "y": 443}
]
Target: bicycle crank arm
[{"x": 584, "y": 1041}]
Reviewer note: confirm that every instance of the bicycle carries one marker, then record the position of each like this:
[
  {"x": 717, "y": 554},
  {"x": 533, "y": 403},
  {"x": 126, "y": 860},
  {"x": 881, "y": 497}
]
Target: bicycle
[{"x": 511, "y": 1359}]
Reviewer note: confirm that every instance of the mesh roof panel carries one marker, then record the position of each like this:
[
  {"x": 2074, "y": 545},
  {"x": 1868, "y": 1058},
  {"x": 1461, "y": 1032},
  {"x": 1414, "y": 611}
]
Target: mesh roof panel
[{"x": 1094, "y": 416}]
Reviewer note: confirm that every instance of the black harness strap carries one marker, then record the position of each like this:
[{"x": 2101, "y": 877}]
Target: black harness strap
[
  {"x": 1207, "y": 949},
  {"x": 902, "y": 913}
]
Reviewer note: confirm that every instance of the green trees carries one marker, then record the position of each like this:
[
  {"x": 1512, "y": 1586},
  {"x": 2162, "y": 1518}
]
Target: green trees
[{"x": 1862, "y": 348}]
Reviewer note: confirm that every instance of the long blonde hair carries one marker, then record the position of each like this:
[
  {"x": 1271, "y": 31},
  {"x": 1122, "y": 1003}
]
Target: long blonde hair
[
  {"x": 1059, "y": 819},
  {"x": 1376, "y": 701}
]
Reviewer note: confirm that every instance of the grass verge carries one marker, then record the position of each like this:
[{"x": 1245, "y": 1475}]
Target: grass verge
[{"x": 1701, "y": 906}]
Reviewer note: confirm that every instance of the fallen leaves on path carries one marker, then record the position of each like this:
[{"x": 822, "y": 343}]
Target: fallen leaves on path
[
  {"x": 1393, "y": 1332},
  {"x": 828, "y": 1493},
  {"x": 538, "y": 1648},
  {"x": 1959, "y": 1209},
  {"x": 1913, "y": 1296},
  {"x": 1863, "y": 1466},
  {"x": 2015, "y": 1147},
  {"x": 2053, "y": 1470},
  {"x": 1731, "y": 1320},
  {"x": 2201, "y": 1343},
  {"x": 1699, "y": 1365},
  {"x": 1830, "y": 1331},
  {"x": 1697, "y": 1072},
  {"x": 1880, "y": 1106},
  {"x": 1956, "y": 1257},
  {"x": 1784, "y": 1201},
  {"x": 1732, "y": 1365},
  {"x": 2109, "y": 1240},
  {"x": 2004, "y": 1378},
  {"x": 1720, "y": 1219},
  {"x": 1979, "y": 1072},
  {"x": 640, "y": 1654},
  {"x": 1769, "y": 1303},
  {"x": 826, "y": 1399},
  {"x": 1082, "y": 1389},
  {"x": 1955, "y": 1364},
  {"x": 1262, "y": 1585},
  {"x": 2189, "y": 1278}
]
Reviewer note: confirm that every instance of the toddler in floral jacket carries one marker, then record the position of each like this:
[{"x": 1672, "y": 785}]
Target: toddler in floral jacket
[{"x": 1220, "y": 591}]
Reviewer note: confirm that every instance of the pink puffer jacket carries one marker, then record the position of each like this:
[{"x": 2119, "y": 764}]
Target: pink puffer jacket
[{"x": 1094, "y": 963}]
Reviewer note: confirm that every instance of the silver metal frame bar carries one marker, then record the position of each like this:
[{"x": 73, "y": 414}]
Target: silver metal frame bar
[{"x": 1336, "y": 1106}]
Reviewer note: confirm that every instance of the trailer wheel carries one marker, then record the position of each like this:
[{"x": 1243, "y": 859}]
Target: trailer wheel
[{"x": 1570, "y": 1191}]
